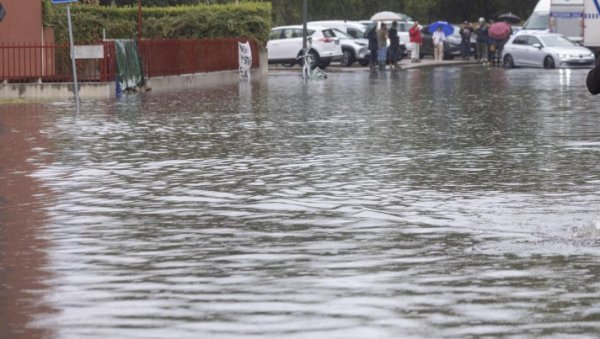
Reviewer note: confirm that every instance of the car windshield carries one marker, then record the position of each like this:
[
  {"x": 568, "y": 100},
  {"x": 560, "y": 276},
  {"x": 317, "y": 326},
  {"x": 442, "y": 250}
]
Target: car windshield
[
  {"x": 557, "y": 41},
  {"x": 537, "y": 21}
]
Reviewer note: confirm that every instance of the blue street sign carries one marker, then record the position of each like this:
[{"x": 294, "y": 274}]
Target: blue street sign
[{"x": 57, "y": 2}]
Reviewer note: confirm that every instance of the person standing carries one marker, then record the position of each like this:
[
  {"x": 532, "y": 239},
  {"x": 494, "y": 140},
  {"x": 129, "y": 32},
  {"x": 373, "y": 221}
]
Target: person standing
[
  {"x": 465, "y": 40},
  {"x": 415, "y": 39},
  {"x": 593, "y": 79},
  {"x": 438, "y": 39},
  {"x": 482, "y": 41},
  {"x": 382, "y": 36},
  {"x": 373, "y": 46},
  {"x": 394, "y": 44}
]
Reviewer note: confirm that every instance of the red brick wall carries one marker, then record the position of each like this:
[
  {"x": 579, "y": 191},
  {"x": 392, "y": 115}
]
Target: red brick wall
[{"x": 22, "y": 23}]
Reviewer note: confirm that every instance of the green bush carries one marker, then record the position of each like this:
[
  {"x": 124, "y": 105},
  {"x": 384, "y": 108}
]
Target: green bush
[{"x": 247, "y": 19}]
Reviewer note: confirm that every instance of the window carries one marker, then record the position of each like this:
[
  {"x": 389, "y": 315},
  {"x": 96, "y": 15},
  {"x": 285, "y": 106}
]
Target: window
[
  {"x": 275, "y": 34},
  {"x": 521, "y": 40},
  {"x": 533, "y": 40}
]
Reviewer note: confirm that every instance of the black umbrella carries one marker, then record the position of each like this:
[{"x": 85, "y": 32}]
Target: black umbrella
[{"x": 509, "y": 17}]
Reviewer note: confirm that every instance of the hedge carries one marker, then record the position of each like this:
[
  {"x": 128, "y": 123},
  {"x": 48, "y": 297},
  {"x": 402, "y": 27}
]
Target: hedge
[{"x": 247, "y": 19}]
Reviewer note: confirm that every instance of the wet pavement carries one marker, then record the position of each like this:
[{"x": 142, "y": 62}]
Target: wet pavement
[{"x": 433, "y": 202}]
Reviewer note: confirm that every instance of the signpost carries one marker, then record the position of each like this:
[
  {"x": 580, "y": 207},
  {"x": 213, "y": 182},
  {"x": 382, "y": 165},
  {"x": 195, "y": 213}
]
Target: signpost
[{"x": 75, "y": 87}]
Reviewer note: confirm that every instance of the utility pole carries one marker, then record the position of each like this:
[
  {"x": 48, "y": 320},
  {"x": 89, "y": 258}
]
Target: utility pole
[{"x": 139, "y": 32}]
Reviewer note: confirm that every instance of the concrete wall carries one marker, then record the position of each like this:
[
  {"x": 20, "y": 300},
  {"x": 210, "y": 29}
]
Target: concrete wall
[{"x": 108, "y": 89}]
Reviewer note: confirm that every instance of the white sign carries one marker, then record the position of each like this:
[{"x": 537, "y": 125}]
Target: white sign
[
  {"x": 245, "y": 60},
  {"x": 89, "y": 52}
]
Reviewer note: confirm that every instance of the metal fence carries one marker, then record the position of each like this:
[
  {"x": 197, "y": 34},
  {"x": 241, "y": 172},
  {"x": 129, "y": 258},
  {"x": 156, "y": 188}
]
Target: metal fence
[
  {"x": 52, "y": 63},
  {"x": 174, "y": 57}
]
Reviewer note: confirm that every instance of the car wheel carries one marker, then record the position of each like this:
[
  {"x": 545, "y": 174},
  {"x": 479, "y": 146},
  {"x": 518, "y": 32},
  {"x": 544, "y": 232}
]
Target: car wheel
[
  {"x": 549, "y": 63},
  {"x": 509, "y": 62},
  {"x": 313, "y": 58},
  {"x": 347, "y": 58}
]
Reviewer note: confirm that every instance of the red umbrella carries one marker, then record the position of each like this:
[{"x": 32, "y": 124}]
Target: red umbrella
[{"x": 499, "y": 30}]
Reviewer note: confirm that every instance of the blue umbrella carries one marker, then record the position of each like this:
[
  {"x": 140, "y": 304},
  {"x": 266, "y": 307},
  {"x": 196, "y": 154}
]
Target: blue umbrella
[{"x": 447, "y": 28}]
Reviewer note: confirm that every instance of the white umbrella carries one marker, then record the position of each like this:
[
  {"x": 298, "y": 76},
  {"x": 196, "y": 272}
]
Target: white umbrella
[{"x": 386, "y": 16}]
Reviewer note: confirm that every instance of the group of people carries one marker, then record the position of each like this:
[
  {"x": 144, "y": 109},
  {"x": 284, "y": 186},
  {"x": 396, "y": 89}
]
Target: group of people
[
  {"x": 487, "y": 48},
  {"x": 378, "y": 45}
]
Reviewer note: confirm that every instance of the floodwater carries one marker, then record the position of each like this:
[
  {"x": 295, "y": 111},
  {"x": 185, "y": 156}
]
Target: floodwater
[{"x": 448, "y": 202}]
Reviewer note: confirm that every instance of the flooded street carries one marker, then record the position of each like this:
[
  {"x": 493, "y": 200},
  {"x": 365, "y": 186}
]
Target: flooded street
[{"x": 442, "y": 202}]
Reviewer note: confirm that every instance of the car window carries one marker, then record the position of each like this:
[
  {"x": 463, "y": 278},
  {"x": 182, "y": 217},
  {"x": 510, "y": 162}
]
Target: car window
[
  {"x": 521, "y": 40},
  {"x": 355, "y": 33},
  {"x": 557, "y": 41},
  {"x": 341, "y": 34},
  {"x": 533, "y": 40},
  {"x": 329, "y": 33},
  {"x": 537, "y": 21},
  {"x": 275, "y": 34}
]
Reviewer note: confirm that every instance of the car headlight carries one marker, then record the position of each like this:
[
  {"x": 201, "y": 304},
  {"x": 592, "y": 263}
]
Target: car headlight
[{"x": 563, "y": 56}]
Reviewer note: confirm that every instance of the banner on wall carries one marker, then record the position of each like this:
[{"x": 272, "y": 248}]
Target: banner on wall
[{"x": 245, "y": 54}]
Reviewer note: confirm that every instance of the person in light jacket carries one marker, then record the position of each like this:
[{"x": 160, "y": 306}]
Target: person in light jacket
[
  {"x": 438, "y": 39},
  {"x": 382, "y": 36}
]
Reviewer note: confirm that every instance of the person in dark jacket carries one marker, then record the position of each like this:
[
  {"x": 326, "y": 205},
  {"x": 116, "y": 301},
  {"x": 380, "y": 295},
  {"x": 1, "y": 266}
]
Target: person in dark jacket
[
  {"x": 373, "y": 47},
  {"x": 593, "y": 79},
  {"x": 394, "y": 44}
]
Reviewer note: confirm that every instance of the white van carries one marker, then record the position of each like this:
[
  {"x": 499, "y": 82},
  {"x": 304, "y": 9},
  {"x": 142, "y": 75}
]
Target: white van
[
  {"x": 539, "y": 20},
  {"x": 579, "y": 20}
]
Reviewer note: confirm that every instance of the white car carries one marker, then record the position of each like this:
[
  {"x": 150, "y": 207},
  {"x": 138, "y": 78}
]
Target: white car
[
  {"x": 548, "y": 50},
  {"x": 355, "y": 46},
  {"x": 285, "y": 46}
]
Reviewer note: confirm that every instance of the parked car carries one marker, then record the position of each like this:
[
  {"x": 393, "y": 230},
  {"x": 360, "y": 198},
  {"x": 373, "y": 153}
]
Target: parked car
[
  {"x": 352, "y": 38},
  {"x": 354, "y": 29},
  {"x": 548, "y": 50},
  {"x": 285, "y": 46}
]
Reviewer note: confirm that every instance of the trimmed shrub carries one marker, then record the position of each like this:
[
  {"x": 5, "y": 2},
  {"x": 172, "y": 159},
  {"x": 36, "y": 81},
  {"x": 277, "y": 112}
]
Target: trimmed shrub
[{"x": 247, "y": 19}]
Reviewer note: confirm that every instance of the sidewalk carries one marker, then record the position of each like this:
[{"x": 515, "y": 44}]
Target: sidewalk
[{"x": 404, "y": 64}]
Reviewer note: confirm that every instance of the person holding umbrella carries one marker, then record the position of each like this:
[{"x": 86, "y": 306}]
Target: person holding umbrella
[
  {"x": 440, "y": 30},
  {"x": 438, "y": 39}
]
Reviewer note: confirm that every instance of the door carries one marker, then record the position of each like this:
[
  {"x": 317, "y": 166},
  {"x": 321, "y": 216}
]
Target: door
[{"x": 535, "y": 56}]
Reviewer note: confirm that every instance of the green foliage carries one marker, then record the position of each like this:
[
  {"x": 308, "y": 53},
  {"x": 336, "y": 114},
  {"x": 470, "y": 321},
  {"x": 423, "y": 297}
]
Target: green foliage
[
  {"x": 248, "y": 19},
  {"x": 290, "y": 12}
]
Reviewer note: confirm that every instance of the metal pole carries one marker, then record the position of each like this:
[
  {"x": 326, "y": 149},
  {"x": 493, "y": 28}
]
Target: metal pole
[
  {"x": 75, "y": 86},
  {"x": 304, "y": 20},
  {"x": 139, "y": 35}
]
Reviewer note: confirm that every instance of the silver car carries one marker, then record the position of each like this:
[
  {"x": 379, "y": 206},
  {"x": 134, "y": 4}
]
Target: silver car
[{"x": 547, "y": 50}]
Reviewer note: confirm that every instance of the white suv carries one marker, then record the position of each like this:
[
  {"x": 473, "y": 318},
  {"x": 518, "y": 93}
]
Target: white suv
[
  {"x": 285, "y": 45},
  {"x": 352, "y": 35}
]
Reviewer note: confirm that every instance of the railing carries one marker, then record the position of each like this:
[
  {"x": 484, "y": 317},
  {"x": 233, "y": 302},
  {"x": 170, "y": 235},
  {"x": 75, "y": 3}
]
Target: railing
[{"x": 52, "y": 63}]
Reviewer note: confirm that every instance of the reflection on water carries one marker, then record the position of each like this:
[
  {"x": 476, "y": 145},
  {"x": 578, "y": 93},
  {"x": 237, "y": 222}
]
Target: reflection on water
[
  {"x": 22, "y": 237},
  {"x": 425, "y": 203}
]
